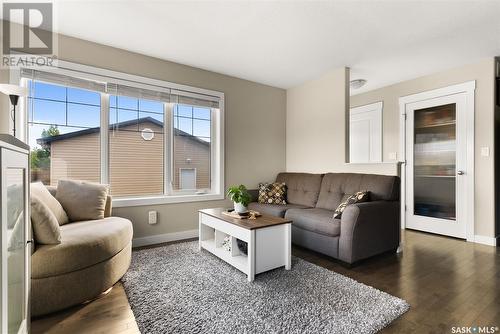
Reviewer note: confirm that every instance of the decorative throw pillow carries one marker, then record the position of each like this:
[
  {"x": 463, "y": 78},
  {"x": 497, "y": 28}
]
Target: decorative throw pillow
[
  {"x": 82, "y": 200},
  {"x": 45, "y": 225},
  {"x": 272, "y": 193},
  {"x": 38, "y": 189},
  {"x": 359, "y": 197}
]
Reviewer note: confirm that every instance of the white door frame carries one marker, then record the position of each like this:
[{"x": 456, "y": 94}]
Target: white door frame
[{"x": 468, "y": 89}]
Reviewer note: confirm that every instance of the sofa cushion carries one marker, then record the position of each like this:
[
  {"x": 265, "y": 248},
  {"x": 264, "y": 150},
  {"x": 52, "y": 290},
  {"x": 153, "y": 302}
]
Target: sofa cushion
[
  {"x": 82, "y": 200},
  {"x": 273, "y": 209},
  {"x": 302, "y": 188},
  {"x": 39, "y": 189},
  {"x": 83, "y": 244},
  {"x": 315, "y": 220},
  {"x": 335, "y": 186},
  {"x": 46, "y": 228},
  {"x": 272, "y": 193}
]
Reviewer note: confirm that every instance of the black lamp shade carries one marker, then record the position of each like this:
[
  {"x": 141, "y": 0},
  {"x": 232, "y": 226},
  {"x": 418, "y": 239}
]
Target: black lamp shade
[{"x": 14, "y": 99}]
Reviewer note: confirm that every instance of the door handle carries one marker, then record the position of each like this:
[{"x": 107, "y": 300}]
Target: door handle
[{"x": 460, "y": 172}]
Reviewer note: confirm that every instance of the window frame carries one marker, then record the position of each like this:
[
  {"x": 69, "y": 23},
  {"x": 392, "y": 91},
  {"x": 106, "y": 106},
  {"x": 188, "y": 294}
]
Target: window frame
[{"x": 217, "y": 131}]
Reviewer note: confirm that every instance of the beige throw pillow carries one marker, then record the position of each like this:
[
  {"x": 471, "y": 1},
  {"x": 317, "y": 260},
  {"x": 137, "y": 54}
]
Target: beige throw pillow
[
  {"x": 82, "y": 200},
  {"x": 45, "y": 225},
  {"x": 38, "y": 189}
]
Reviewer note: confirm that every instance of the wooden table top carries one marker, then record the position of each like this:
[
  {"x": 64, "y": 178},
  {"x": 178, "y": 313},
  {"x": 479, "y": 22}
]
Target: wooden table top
[{"x": 249, "y": 224}]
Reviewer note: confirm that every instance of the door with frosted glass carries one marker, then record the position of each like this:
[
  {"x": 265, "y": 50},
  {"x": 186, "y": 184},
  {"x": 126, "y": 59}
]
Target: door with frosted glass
[{"x": 436, "y": 160}]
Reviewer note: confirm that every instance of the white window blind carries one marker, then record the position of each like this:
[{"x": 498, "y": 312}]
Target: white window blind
[
  {"x": 193, "y": 99},
  {"x": 143, "y": 92},
  {"x": 63, "y": 80}
]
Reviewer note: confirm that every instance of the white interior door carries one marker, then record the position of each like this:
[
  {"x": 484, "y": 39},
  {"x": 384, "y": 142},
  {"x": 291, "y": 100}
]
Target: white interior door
[{"x": 436, "y": 155}]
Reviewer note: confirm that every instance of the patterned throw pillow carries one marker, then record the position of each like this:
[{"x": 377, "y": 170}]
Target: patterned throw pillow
[
  {"x": 272, "y": 193},
  {"x": 359, "y": 197}
]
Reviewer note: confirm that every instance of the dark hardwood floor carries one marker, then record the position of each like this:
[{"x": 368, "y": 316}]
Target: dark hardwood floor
[{"x": 447, "y": 282}]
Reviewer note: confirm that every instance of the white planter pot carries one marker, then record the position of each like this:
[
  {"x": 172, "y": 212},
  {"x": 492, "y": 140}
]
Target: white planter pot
[{"x": 238, "y": 207}]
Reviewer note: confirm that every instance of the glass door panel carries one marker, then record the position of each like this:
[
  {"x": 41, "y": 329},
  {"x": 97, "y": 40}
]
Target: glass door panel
[
  {"x": 15, "y": 248},
  {"x": 435, "y": 162}
]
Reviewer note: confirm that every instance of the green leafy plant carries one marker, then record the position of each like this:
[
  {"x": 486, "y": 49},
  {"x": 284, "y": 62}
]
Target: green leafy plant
[{"x": 239, "y": 194}]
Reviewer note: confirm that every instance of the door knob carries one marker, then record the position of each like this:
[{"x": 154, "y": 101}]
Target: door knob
[{"x": 460, "y": 172}]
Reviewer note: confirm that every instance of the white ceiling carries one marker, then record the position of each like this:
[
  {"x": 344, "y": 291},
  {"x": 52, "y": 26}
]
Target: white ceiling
[{"x": 284, "y": 44}]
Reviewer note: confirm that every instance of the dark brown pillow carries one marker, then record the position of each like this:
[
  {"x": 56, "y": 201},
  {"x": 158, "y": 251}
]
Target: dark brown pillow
[
  {"x": 272, "y": 193},
  {"x": 359, "y": 197}
]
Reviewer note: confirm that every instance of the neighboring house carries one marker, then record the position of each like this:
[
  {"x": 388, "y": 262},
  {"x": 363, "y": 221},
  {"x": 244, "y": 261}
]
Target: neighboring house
[{"x": 135, "y": 158}]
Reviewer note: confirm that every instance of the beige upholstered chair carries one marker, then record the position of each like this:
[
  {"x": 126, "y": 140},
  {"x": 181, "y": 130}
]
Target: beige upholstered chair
[{"x": 91, "y": 258}]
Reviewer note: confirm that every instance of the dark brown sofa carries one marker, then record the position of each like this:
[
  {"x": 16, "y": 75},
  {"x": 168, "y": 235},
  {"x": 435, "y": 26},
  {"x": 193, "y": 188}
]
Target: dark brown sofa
[{"x": 365, "y": 229}]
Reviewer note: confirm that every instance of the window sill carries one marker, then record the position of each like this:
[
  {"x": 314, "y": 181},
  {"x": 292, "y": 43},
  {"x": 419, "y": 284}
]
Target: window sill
[{"x": 156, "y": 200}]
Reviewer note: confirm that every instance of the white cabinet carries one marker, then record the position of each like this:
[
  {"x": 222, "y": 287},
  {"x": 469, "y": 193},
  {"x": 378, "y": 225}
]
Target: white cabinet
[{"x": 14, "y": 182}]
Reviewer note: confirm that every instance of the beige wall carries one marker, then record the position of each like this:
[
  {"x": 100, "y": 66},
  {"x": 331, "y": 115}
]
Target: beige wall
[
  {"x": 316, "y": 133},
  {"x": 315, "y": 121},
  {"x": 254, "y": 126},
  {"x": 483, "y": 73}
]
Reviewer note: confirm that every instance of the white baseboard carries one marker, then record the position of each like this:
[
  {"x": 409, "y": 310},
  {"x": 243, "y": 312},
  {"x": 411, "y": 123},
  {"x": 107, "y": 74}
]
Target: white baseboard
[
  {"x": 167, "y": 237},
  {"x": 490, "y": 241}
]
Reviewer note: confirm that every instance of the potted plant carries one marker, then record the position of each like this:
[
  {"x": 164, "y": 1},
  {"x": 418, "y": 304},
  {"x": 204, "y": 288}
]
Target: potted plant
[{"x": 240, "y": 196}]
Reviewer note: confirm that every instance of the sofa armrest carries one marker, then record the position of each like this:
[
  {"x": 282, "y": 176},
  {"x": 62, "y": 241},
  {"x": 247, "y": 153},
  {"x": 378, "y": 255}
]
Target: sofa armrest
[{"x": 367, "y": 229}]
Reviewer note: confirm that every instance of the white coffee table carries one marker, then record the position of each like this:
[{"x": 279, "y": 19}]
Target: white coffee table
[{"x": 268, "y": 238}]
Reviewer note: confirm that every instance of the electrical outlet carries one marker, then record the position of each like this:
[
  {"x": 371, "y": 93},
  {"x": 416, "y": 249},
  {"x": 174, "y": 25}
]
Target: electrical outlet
[
  {"x": 152, "y": 217},
  {"x": 393, "y": 155}
]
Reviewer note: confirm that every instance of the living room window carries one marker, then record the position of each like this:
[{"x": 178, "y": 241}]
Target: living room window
[
  {"x": 136, "y": 144},
  {"x": 57, "y": 115},
  {"x": 145, "y": 139},
  {"x": 191, "y": 147}
]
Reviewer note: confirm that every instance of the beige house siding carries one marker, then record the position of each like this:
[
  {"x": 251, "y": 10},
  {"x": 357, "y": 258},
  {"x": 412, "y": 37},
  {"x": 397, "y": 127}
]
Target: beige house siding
[
  {"x": 75, "y": 158},
  {"x": 135, "y": 164},
  {"x": 191, "y": 154}
]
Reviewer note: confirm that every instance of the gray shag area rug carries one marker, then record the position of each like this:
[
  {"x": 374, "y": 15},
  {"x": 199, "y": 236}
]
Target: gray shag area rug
[{"x": 178, "y": 289}]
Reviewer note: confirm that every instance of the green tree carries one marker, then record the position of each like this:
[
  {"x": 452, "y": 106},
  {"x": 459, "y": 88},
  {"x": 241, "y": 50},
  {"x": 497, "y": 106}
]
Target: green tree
[
  {"x": 40, "y": 157},
  {"x": 51, "y": 131}
]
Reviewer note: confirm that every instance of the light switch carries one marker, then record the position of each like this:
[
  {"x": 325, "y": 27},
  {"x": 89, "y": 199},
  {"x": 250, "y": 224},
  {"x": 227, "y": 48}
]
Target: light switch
[
  {"x": 485, "y": 151},
  {"x": 393, "y": 155}
]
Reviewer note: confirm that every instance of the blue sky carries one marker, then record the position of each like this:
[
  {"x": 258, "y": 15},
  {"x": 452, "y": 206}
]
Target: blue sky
[{"x": 82, "y": 110}]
